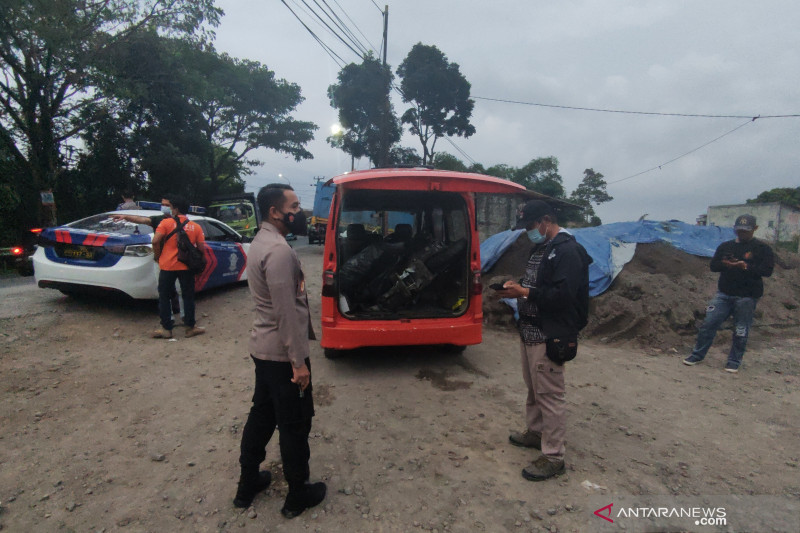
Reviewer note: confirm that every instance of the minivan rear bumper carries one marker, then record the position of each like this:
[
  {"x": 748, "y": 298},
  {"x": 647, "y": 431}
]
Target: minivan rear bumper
[{"x": 340, "y": 333}]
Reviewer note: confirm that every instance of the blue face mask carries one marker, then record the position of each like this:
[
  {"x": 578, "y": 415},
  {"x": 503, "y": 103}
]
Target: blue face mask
[
  {"x": 167, "y": 210},
  {"x": 535, "y": 236}
]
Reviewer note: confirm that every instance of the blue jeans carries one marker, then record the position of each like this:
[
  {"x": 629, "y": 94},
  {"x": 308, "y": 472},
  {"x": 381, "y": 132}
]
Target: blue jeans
[
  {"x": 721, "y": 307},
  {"x": 166, "y": 287}
]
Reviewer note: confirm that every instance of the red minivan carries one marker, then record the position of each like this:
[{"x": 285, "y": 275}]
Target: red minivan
[{"x": 402, "y": 262}]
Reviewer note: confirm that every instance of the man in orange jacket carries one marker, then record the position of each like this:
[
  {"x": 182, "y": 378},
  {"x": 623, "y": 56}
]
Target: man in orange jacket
[{"x": 165, "y": 249}]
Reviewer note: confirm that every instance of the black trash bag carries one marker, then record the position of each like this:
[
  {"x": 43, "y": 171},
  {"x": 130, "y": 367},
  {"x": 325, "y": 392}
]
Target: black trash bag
[{"x": 357, "y": 267}]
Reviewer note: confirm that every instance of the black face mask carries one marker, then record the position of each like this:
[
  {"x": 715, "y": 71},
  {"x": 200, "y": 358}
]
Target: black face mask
[{"x": 296, "y": 223}]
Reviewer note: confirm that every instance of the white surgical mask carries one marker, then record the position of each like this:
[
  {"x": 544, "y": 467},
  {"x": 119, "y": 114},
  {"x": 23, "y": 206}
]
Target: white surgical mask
[{"x": 167, "y": 210}]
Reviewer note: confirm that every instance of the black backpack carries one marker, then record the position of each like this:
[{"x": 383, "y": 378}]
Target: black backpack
[{"x": 188, "y": 254}]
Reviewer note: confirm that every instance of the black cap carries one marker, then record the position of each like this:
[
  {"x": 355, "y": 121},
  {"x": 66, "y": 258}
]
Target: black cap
[
  {"x": 745, "y": 223},
  {"x": 533, "y": 211}
]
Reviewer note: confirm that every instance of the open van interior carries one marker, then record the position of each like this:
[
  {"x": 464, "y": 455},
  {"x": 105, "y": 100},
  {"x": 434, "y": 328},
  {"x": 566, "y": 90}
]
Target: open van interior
[{"x": 402, "y": 254}]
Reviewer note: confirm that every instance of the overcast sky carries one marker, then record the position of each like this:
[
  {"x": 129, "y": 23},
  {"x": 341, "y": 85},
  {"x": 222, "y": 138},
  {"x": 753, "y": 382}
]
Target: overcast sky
[{"x": 710, "y": 57}]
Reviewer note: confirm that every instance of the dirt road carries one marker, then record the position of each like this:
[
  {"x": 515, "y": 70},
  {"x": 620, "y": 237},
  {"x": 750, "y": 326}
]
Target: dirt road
[{"x": 104, "y": 429}]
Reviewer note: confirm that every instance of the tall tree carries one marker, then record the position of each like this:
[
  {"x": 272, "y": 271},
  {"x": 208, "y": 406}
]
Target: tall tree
[
  {"x": 541, "y": 175},
  {"x": 399, "y": 155},
  {"x": 592, "y": 190},
  {"x": 48, "y": 55},
  {"x": 149, "y": 84},
  {"x": 365, "y": 111},
  {"x": 439, "y": 95},
  {"x": 244, "y": 107},
  {"x": 198, "y": 115}
]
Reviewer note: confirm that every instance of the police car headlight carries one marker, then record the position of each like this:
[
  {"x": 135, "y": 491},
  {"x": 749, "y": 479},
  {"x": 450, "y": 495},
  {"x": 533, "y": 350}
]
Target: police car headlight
[{"x": 139, "y": 250}]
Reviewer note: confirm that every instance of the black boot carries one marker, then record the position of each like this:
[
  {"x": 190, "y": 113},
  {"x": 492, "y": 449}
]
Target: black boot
[
  {"x": 250, "y": 486},
  {"x": 308, "y": 495}
]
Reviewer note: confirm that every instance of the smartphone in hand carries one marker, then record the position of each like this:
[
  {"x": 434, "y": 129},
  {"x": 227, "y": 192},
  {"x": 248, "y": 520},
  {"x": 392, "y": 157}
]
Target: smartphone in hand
[{"x": 496, "y": 286}]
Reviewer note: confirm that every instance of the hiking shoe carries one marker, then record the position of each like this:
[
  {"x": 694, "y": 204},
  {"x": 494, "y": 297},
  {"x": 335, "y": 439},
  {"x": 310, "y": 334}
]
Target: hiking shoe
[
  {"x": 543, "y": 468},
  {"x": 298, "y": 501},
  {"x": 733, "y": 368},
  {"x": 692, "y": 360},
  {"x": 247, "y": 490},
  {"x": 194, "y": 331},
  {"x": 162, "y": 333},
  {"x": 526, "y": 439}
]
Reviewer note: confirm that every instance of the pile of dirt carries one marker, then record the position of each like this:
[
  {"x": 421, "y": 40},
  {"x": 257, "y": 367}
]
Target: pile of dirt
[{"x": 659, "y": 299}]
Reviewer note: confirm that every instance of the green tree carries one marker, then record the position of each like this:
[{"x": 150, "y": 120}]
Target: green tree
[
  {"x": 13, "y": 216},
  {"x": 195, "y": 116},
  {"x": 148, "y": 83},
  {"x": 445, "y": 161},
  {"x": 103, "y": 170},
  {"x": 786, "y": 195},
  {"x": 502, "y": 171},
  {"x": 365, "y": 111},
  {"x": 244, "y": 107},
  {"x": 399, "y": 155},
  {"x": 49, "y": 50},
  {"x": 592, "y": 190},
  {"x": 541, "y": 175},
  {"x": 439, "y": 95}
]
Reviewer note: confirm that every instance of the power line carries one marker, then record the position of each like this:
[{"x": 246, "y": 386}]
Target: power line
[
  {"x": 356, "y": 52},
  {"x": 576, "y": 108},
  {"x": 462, "y": 152},
  {"x": 356, "y": 25},
  {"x": 684, "y": 155},
  {"x": 338, "y": 60},
  {"x": 345, "y": 27}
]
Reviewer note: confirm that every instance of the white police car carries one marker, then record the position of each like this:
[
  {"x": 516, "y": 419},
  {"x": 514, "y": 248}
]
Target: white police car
[{"x": 101, "y": 255}]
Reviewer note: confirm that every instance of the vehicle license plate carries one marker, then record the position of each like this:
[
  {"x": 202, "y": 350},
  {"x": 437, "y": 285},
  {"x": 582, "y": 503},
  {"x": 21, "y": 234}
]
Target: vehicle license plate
[{"x": 79, "y": 252}]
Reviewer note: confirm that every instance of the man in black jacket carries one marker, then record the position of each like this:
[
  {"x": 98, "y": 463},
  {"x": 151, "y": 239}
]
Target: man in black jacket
[
  {"x": 553, "y": 302},
  {"x": 741, "y": 264}
]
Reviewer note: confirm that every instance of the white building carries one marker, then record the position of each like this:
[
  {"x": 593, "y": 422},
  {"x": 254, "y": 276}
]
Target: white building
[{"x": 777, "y": 222}]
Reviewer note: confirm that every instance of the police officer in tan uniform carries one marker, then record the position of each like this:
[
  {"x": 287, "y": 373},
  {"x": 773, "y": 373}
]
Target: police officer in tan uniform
[{"x": 279, "y": 349}]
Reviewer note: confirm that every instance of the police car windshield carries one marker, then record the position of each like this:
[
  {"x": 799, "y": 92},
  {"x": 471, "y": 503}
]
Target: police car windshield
[{"x": 105, "y": 224}]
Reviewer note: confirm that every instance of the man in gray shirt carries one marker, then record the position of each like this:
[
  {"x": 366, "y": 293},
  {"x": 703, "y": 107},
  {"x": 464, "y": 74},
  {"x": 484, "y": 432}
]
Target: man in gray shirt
[{"x": 279, "y": 348}]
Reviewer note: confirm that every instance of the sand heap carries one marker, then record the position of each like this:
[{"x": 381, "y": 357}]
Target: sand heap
[{"x": 659, "y": 298}]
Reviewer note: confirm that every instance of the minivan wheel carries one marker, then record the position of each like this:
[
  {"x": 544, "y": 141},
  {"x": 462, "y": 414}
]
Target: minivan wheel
[{"x": 331, "y": 353}]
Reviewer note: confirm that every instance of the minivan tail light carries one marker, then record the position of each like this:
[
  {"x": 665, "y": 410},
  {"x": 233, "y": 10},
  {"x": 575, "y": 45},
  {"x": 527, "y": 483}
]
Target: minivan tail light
[
  {"x": 477, "y": 288},
  {"x": 329, "y": 284}
]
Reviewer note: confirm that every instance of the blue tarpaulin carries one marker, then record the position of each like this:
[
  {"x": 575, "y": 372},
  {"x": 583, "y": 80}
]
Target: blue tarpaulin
[{"x": 612, "y": 245}]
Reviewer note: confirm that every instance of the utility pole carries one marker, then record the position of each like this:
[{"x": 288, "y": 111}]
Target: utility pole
[
  {"x": 385, "y": 31},
  {"x": 384, "y": 156}
]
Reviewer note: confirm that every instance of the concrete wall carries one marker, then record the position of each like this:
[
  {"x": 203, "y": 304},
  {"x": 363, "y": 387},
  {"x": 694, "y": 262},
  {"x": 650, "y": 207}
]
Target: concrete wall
[
  {"x": 496, "y": 213},
  {"x": 776, "y": 222}
]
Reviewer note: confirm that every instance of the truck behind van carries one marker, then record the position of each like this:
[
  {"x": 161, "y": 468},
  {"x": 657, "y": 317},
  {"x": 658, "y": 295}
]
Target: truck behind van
[
  {"x": 401, "y": 264},
  {"x": 239, "y": 211}
]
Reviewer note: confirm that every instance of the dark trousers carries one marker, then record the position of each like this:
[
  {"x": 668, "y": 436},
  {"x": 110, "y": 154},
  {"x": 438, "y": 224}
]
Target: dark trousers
[
  {"x": 166, "y": 287},
  {"x": 277, "y": 402}
]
